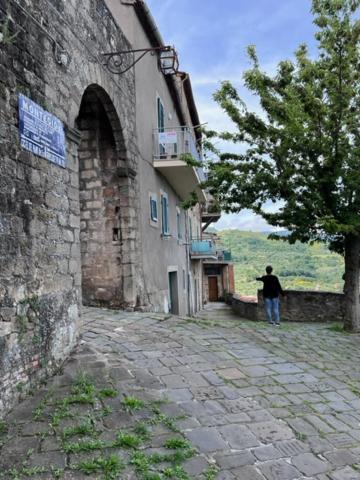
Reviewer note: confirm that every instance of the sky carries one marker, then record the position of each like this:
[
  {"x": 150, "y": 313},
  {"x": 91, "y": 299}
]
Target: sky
[{"x": 211, "y": 37}]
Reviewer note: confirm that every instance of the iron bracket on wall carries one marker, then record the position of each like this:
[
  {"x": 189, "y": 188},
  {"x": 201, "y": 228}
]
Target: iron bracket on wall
[{"x": 122, "y": 61}]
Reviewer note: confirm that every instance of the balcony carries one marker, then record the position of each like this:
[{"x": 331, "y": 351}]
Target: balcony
[
  {"x": 224, "y": 255},
  {"x": 210, "y": 214},
  {"x": 203, "y": 250},
  {"x": 170, "y": 144}
]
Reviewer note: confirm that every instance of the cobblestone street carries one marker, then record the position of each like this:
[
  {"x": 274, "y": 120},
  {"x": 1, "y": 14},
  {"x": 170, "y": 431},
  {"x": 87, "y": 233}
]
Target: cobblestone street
[{"x": 150, "y": 396}]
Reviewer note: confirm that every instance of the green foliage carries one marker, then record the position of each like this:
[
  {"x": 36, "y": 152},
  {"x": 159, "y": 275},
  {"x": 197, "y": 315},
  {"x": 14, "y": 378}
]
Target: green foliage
[
  {"x": 338, "y": 328},
  {"x": 127, "y": 440},
  {"x": 355, "y": 389},
  {"x": 299, "y": 266},
  {"x": 190, "y": 202},
  {"x": 176, "y": 443},
  {"x": 3, "y": 428},
  {"x": 190, "y": 160},
  {"x": 304, "y": 151},
  {"x": 110, "y": 466},
  {"x": 132, "y": 404},
  {"x": 142, "y": 430},
  {"x": 211, "y": 472},
  {"x": 82, "y": 429},
  {"x": 107, "y": 393},
  {"x": 83, "y": 446}
]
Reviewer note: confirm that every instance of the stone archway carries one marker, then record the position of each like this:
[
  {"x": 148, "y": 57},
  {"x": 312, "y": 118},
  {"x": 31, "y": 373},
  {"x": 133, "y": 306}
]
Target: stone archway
[{"x": 102, "y": 155}]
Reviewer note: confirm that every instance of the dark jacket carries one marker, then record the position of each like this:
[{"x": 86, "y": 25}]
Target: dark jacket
[{"x": 272, "y": 287}]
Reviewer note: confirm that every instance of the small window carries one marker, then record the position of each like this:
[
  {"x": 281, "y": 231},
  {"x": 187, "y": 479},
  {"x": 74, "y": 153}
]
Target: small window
[
  {"x": 161, "y": 123},
  {"x": 178, "y": 224},
  {"x": 165, "y": 214},
  {"x": 153, "y": 208}
]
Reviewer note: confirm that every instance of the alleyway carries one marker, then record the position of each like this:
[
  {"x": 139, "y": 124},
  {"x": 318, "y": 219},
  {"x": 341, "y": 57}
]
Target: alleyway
[{"x": 148, "y": 396}]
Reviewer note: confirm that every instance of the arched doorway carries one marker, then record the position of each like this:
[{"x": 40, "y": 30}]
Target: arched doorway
[{"x": 101, "y": 153}]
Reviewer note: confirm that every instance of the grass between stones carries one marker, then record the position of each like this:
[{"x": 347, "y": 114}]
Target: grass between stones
[
  {"x": 338, "y": 328},
  {"x": 109, "y": 452}
]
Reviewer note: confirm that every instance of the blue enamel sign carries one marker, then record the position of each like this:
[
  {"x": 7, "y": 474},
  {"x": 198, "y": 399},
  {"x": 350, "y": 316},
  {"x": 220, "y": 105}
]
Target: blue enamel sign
[{"x": 41, "y": 133}]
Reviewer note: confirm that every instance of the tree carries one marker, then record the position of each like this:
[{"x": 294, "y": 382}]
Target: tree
[{"x": 304, "y": 151}]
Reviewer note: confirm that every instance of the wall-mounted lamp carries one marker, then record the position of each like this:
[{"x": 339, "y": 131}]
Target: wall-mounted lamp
[{"x": 121, "y": 62}]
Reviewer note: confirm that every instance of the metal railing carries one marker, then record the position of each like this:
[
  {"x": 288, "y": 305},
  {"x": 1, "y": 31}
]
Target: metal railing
[
  {"x": 174, "y": 142},
  {"x": 224, "y": 255},
  {"x": 203, "y": 248}
]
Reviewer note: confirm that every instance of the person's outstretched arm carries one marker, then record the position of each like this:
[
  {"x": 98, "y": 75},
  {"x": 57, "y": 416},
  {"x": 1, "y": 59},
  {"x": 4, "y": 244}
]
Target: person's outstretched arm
[
  {"x": 280, "y": 287},
  {"x": 260, "y": 279}
]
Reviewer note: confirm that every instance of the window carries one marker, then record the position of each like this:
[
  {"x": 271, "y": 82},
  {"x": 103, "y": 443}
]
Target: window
[
  {"x": 153, "y": 208},
  {"x": 165, "y": 214},
  {"x": 161, "y": 115},
  {"x": 178, "y": 223},
  {"x": 161, "y": 122}
]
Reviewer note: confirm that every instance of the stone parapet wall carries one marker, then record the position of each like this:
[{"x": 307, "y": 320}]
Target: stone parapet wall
[{"x": 296, "y": 306}]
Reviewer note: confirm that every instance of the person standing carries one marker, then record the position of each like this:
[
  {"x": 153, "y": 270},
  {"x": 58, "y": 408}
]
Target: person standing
[{"x": 271, "y": 291}]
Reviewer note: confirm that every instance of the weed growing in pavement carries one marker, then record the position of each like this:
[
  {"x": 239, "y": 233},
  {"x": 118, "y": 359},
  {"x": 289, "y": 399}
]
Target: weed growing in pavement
[
  {"x": 355, "y": 389},
  {"x": 142, "y": 430},
  {"x": 177, "y": 443},
  {"x": 211, "y": 472},
  {"x": 61, "y": 412},
  {"x": 338, "y": 328},
  {"x": 300, "y": 436},
  {"x": 127, "y": 440},
  {"x": 3, "y": 428},
  {"x": 82, "y": 429},
  {"x": 107, "y": 393},
  {"x": 176, "y": 472},
  {"x": 132, "y": 404},
  {"x": 156, "y": 466},
  {"x": 110, "y": 467},
  {"x": 57, "y": 472},
  {"x": 83, "y": 446}
]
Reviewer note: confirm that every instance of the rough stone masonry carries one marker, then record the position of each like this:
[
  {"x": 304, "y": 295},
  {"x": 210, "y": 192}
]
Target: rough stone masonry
[{"x": 50, "y": 51}]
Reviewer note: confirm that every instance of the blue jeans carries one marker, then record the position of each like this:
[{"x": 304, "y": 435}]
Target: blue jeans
[{"x": 272, "y": 309}]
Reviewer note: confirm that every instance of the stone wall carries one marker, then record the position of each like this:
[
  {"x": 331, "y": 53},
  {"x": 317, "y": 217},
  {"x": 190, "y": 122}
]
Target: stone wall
[
  {"x": 296, "y": 306},
  {"x": 242, "y": 307},
  {"x": 40, "y": 255}
]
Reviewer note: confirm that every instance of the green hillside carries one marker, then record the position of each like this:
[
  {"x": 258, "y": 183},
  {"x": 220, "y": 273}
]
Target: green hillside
[{"x": 299, "y": 266}]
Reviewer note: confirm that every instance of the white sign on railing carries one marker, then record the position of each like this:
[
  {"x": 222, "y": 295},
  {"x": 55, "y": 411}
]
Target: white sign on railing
[{"x": 167, "y": 137}]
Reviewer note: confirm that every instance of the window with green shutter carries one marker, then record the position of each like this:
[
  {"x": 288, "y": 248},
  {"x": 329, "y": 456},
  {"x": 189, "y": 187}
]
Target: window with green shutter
[{"x": 165, "y": 215}]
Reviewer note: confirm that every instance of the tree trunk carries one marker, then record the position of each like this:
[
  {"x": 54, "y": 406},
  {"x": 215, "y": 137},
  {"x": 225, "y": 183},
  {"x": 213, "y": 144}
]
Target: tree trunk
[{"x": 351, "y": 287}]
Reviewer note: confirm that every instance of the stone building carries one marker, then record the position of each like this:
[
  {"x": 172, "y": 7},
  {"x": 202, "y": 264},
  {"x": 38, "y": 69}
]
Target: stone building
[{"x": 95, "y": 215}]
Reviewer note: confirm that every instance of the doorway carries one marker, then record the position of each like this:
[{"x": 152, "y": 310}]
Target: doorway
[
  {"x": 213, "y": 289},
  {"x": 100, "y": 200},
  {"x": 174, "y": 293}
]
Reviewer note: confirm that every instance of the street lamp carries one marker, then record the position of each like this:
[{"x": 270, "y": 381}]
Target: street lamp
[{"x": 121, "y": 62}]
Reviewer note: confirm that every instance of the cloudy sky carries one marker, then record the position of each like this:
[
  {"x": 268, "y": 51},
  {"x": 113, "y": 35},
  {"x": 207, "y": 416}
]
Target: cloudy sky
[{"x": 211, "y": 37}]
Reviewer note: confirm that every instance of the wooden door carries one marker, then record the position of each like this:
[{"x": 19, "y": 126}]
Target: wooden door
[{"x": 213, "y": 289}]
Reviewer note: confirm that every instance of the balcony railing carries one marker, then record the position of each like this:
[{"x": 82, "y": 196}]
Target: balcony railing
[
  {"x": 174, "y": 142},
  {"x": 203, "y": 248},
  {"x": 206, "y": 249},
  {"x": 224, "y": 255}
]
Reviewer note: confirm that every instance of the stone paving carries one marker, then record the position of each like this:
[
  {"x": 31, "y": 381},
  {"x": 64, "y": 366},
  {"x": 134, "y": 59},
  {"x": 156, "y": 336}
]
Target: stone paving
[{"x": 256, "y": 402}]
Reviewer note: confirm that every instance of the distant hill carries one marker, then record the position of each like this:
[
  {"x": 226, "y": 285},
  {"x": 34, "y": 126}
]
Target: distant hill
[{"x": 299, "y": 266}]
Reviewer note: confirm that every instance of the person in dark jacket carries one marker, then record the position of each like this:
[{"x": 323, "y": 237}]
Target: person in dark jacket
[{"x": 271, "y": 291}]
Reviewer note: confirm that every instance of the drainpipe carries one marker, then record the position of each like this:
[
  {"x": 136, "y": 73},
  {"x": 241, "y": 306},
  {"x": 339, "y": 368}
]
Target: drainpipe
[{"x": 187, "y": 251}]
